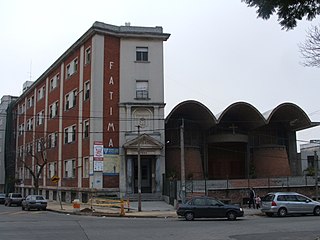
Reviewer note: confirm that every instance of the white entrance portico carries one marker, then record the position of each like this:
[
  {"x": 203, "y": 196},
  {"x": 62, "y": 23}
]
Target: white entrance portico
[{"x": 151, "y": 164}]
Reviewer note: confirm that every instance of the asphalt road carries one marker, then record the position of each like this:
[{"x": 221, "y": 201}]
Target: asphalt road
[{"x": 24, "y": 225}]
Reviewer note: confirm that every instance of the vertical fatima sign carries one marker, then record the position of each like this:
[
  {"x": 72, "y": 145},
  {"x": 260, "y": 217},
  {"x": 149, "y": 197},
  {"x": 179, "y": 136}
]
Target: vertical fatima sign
[{"x": 98, "y": 156}]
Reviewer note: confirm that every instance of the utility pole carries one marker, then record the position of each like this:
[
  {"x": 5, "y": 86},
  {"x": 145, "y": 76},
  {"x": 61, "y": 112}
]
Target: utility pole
[
  {"x": 316, "y": 173},
  {"x": 182, "y": 162},
  {"x": 139, "y": 172}
]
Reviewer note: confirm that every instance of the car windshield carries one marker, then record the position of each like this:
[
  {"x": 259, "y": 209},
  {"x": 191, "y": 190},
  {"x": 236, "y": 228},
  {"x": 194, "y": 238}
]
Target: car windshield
[
  {"x": 16, "y": 195},
  {"x": 2, "y": 195},
  {"x": 268, "y": 198},
  {"x": 39, "y": 198}
]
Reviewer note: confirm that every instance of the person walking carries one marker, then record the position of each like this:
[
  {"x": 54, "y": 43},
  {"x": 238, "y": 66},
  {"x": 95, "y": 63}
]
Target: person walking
[
  {"x": 252, "y": 196},
  {"x": 258, "y": 202}
]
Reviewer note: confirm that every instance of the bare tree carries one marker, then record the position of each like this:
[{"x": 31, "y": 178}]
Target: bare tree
[
  {"x": 39, "y": 154},
  {"x": 310, "y": 49}
]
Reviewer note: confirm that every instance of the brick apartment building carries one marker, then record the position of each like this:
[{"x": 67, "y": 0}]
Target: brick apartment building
[{"x": 92, "y": 112}]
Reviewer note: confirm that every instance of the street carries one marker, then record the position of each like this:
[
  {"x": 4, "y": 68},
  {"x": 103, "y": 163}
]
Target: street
[{"x": 32, "y": 225}]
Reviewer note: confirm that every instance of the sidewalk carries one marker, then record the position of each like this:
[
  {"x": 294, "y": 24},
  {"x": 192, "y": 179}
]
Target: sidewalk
[{"x": 149, "y": 209}]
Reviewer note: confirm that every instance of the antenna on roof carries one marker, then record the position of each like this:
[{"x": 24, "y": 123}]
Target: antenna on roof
[{"x": 30, "y": 72}]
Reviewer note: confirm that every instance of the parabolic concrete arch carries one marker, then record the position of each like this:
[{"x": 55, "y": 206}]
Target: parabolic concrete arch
[{"x": 240, "y": 142}]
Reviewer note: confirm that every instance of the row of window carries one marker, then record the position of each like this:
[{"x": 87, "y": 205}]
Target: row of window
[
  {"x": 69, "y": 169},
  {"x": 51, "y": 142},
  {"x": 72, "y": 68}
]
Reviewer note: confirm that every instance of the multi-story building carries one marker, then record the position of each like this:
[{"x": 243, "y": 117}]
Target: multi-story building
[
  {"x": 93, "y": 113},
  {"x": 4, "y": 162},
  {"x": 309, "y": 153}
]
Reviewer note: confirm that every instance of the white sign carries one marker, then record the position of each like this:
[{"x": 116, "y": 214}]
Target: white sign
[{"x": 97, "y": 166}]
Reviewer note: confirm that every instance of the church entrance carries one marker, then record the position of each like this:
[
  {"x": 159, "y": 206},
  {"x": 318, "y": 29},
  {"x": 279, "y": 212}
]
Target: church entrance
[{"x": 146, "y": 175}]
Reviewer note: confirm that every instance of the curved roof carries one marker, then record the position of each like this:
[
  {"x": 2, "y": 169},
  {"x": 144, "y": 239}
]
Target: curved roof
[
  {"x": 291, "y": 115},
  {"x": 242, "y": 114},
  {"x": 193, "y": 110}
]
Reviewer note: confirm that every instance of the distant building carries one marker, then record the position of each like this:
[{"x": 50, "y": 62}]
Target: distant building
[
  {"x": 5, "y": 102},
  {"x": 308, "y": 152},
  {"x": 97, "y": 107}
]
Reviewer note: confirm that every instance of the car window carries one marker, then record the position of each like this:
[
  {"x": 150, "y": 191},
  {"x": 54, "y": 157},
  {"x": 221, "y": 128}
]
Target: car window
[
  {"x": 212, "y": 202},
  {"x": 199, "y": 202},
  {"x": 281, "y": 198},
  {"x": 291, "y": 198},
  {"x": 39, "y": 198},
  {"x": 302, "y": 198},
  {"x": 268, "y": 198},
  {"x": 16, "y": 195},
  {"x": 28, "y": 198}
]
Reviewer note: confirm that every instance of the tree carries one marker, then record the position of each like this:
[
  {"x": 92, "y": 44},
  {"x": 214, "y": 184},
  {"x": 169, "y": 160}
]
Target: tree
[
  {"x": 38, "y": 152},
  {"x": 288, "y": 11},
  {"x": 310, "y": 49}
]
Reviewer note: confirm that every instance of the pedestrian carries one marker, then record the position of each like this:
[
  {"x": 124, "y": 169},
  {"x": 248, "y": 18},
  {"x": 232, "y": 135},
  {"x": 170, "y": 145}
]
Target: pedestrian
[
  {"x": 252, "y": 197},
  {"x": 258, "y": 202}
]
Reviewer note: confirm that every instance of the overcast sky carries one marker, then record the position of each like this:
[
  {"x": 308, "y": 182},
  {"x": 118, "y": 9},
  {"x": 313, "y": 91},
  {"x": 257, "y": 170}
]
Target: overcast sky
[{"x": 218, "y": 53}]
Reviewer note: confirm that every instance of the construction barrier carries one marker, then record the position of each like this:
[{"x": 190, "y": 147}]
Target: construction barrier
[
  {"x": 113, "y": 203},
  {"x": 76, "y": 205}
]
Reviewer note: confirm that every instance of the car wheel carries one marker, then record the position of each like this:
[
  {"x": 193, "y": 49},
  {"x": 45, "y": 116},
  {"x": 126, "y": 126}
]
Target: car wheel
[
  {"x": 316, "y": 211},
  {"x": 269, "y": 214},
  {"x": 189, "y": 216},
  {"x": 44, "y": 209},
  {"x": 282, "y": 212},
  {"x": 22, "y": 207},
  {"x": 231, "y": 216},
  {"x": 8, "y": 204},
  {"x": 28, "y": 208}
]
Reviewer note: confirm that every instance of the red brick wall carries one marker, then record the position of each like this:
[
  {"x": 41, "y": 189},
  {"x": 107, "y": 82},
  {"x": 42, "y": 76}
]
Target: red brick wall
[
  {"x": 271, "y": 162},
  {"x": 193, "y": 163},
  {"x": 111, "y": 181}
]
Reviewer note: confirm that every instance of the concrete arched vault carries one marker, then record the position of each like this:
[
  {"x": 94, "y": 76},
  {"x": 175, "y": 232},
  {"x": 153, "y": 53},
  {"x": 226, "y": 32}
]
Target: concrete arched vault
[{"x": 240, "y": 142}]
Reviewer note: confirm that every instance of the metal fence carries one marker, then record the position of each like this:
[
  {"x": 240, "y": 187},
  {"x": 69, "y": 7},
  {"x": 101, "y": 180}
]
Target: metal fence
[{"x": 172, "y": 188}]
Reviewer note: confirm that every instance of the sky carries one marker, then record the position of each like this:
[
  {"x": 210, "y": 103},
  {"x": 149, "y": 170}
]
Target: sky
[{"x": 218, "y": 53}]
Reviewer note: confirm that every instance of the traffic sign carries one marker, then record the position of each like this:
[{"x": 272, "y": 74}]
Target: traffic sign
[{"x": 55, "y": 179}]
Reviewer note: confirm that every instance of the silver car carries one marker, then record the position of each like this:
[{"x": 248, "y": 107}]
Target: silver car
[
  {"x": 283, "y": 203},
  {"x": 34, "y": 202}
]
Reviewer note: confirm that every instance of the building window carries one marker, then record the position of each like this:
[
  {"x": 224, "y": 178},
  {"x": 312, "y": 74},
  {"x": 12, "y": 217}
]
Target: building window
[
  {"x": 41, "y": 92},
  {"x": 72, "y": 68},
  {"x": 40, "y": 118},
  {"x": 311, "y": 161},
  {"x": 142, "y": 90},
  {"x": 70, "y": 134},
  {"x": 87, "y": 58},
  {"x": 30, "y": 124},
  {"x": 141, "y": 54},
  {"x": 71, "y": 100},
  {"x": 54, "y": 82},
  {"x": 30, "y": 102},
  {"x": 86, "y": 129},
  {"x": 87, "y": 90},
  {"x": 70, "y": 168},
  {"x": 53, "y": 110},
  {"x": 52, "y": 140},
  {"x": 86, "y": 167}
]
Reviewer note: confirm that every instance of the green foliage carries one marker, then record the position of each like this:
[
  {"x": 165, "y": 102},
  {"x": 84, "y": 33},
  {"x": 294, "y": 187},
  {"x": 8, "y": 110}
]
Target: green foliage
[
  {"x": 172, "y": 174},
  {"x": 288, "y": 11},
  {"x": 310, "y": 171}
]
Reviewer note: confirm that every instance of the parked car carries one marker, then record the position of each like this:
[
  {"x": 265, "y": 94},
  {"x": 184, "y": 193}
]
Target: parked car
[
  {"x": 2, "y": 198},
  {"x": 13, "y": 198},
  {"x": 283, "y": 203},
  {"x": 207, "y": 207},
  {"x": 34, "y": 202}
]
